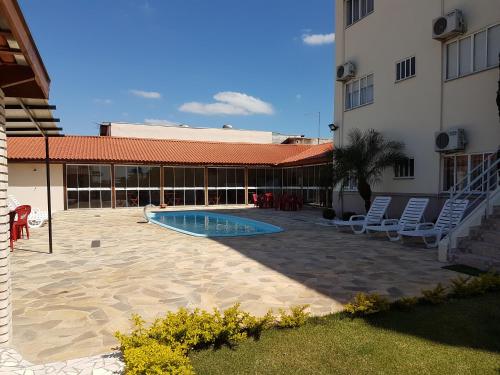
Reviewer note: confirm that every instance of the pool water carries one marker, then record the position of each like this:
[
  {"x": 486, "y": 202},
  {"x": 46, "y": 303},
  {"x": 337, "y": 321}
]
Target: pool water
[{"x": 210, "y": 224}]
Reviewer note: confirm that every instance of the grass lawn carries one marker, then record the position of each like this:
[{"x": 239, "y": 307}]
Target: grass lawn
[{"x": 459, "y": 337}]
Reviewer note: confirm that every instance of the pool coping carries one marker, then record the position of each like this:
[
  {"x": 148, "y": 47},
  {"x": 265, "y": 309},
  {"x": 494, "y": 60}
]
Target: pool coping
[{"x": 276, "y": 229}]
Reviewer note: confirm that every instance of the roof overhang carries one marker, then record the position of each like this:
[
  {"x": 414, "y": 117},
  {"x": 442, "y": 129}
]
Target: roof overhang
[{"x": 22, "y": 72}]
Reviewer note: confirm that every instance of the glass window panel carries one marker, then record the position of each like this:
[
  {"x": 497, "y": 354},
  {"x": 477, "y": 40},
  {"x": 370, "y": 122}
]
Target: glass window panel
[
  {"x": 121, "y": 177},
  {"x": 213, "y": 197},
  {"x": 355, "y": 10},
  {"x": 261, "y": 177},
  {"x": 480, "y": 51},
  {"x": 132, "y": 178},
  {"x": 221, "y": 177},
  {"x": 476, "y": 161},
  {"x": 189, "y": 197},
  {"x": 189, "y": 177},
  {"x": 72, "y": 199},
  {"x": 240, "y": 196},
  {"x": 369, "y": 89},
  {"x": 493, "y": 45},
  {"x": 106, "y": 198},
  {"x": 179, "y": 177},
  {"x": 212, "y": 177},
  {"x": 240, "y": 177},
  {"x": 169, "y": 197},
  {"x": 451, "y": 60},
  {"x": 132, "y": 198},
  {"x": 83, "y": 199},
  {"x": 95, "y": 199},
  {"x": 72, "y": 176},
  {"x": 269, "y": 177},
  {"x": 105, "y": 176},
  {"x": 363, "y": 90},
  {"x": 231, "y": 177},
  {"x": 252, "y": 177},
  {"x": 348, "y": 96},
  {"x": 465, "y": 51},
  {"x": 154, "y": 177},
  {"x": 200, "y": 197},
  {"x": 363, "y": 8},
  {"x": 121, "y": 198},
  {"x": 369, "y": 6},
  {"x": 412, "y": 66},
  {"x": 407, "y": 69},
  {"x": 221, "y": 196},
  {"x": 144, "y": 198},
  {"x": 179, "y": 197},
  {"x": 155, "y": 197},
  {"x": 83, "y": 176},
  {"x": 143, "y": 176},
  {"x": 355, "y": 93},
  {"x": 398, "y": 71},
  {"x": 200, "y": 177},
  {"x": 461, "y": 170},
  {"x": 348, "y": 12},
  {"x": 231, "y": 196},
  {"x": 412, "y": 167},
  {"x": 168, "y": 176}
]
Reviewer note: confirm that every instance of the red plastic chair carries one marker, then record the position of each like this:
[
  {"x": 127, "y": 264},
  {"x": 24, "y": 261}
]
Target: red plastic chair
[
  {"x": 21, "y": 223},
  {"x": 255, "y": 200}
]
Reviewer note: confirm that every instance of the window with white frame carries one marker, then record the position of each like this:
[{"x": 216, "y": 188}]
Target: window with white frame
[
  {"x": 405, "y": 69},
  {"x": 473, "y": 53},
  {"x": 405, "y": 168},
  {"x": 359, "y": 92},
  {"x": 357, "y": 9},
  {"x": 459, "y": 171}
]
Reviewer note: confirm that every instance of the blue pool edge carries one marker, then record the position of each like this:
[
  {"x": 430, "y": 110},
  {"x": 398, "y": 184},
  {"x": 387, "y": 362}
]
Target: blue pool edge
[{"x": 150, "y": 215}]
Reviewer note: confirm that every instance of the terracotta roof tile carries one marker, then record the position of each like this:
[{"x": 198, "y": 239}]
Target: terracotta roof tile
[{"x": 137, "y": 150}]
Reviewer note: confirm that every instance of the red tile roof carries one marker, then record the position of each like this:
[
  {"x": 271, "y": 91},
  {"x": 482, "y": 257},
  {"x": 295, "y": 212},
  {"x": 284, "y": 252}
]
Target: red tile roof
[{"x": 136, "y": 150}]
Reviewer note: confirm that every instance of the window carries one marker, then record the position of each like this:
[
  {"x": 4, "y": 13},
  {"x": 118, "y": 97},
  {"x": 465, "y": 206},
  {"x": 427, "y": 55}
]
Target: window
[
  {"x": 88, "y": 186},
  {"x": 473, "y": 53},
  {"x": 405, "y": 168},
  {"x": 185, "y": 186},
  {"x": 357, "y": 9},
  {"x": 405, "y": 69},
  {"x": 359, "y": 92},
  {"x": 137, "y": 185},
  {"x": 459, "y": 171},
  {"x": 226, "y": 186}
]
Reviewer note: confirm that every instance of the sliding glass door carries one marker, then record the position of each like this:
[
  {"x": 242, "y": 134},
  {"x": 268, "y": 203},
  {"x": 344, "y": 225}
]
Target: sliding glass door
[
  {"x": 226, "y": 186},
  {"x": 184, "y": 186},
  {"x": 137, "y": 185}
]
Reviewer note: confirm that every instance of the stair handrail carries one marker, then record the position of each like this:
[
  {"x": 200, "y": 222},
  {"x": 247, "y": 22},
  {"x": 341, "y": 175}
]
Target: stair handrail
[
  {"x": 467, "y": 192},
  {"x": 487, "y": 161}
]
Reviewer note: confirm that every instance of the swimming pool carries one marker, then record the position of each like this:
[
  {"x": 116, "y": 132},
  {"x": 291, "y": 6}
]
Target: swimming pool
[{"x": 211, "y": 224}]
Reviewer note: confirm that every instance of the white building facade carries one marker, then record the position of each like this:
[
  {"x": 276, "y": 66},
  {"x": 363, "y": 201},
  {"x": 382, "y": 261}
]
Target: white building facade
[{"x": 409, "y": 86}]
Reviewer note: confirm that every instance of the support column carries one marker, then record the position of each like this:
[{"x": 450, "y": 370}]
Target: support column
[{"x": 5, "y": 279}]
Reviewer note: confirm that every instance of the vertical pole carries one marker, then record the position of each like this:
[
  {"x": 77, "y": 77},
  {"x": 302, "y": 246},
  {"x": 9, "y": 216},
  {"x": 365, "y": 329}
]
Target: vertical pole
[
  {"x": 113, "y": 190},
  {"x": 162, "y": 186},
  {"x": 246, "y": 186},
  {"x": 49, "y": 200}
]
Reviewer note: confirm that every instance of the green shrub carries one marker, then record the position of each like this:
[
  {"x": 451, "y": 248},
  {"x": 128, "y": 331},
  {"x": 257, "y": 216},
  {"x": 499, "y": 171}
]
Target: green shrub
[
  {"x": 436, "y": 295},
  {"x": 329, "y": 213},
  {"x": 154, "y": 358},
  {"x": 490, "y": 281},
  {"x": 296, "y": 318},
  {"x": 405, "y": 303},
  {"x": 365, "y": 304}
]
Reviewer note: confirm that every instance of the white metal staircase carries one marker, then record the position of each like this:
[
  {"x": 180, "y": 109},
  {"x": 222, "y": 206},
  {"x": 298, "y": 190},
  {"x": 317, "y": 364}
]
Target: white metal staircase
[{"x": 476, "y": 240}]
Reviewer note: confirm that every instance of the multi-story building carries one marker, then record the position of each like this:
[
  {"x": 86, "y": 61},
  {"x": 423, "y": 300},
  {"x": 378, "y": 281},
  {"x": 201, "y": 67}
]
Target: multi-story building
[{"x": 413, "y": 77}]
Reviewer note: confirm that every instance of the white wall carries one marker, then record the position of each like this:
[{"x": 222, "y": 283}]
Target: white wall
[
  {"x": 413, "y": 110},
  {"x": 193, "y": 134},
  {"x": 27, "y": 182}
]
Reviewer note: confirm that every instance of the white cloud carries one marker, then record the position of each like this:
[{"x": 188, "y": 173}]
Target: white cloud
[
  {"x": 102, "y": 101},
  {"x": 157, "y": 121},
  {"x": 318, "y": 39},
  {"x": 146, "y": 94},
  {"x": 230, "y": 103}
]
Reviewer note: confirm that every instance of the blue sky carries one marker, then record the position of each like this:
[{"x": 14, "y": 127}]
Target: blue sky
[{"x": 260, "y": 64}]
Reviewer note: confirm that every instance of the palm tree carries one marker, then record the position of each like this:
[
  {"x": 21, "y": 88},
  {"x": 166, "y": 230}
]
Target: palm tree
[{"x": 364, "y": 159}]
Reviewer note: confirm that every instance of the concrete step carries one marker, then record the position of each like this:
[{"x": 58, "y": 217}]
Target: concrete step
[
  {"x": 477, "y": 261},
  {"x": 480, "y": 248},
  {"x": 485, "y": 235}
]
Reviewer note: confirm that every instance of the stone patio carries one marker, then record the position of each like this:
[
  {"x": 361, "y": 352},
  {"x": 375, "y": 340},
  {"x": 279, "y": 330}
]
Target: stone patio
[{"x": 108, "y": 264}]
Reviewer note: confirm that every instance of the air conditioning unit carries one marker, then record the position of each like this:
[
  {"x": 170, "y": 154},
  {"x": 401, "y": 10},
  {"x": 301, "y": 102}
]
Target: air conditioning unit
[
  {"x": 346, "y": 71},
  {"x": 448, "y": 26},
  {"x": 450, "y": 140}
]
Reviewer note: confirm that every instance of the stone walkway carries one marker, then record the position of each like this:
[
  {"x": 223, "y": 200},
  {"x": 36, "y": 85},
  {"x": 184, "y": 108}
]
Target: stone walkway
[
  {"x": 12, "y": 363},
  {"x": 108, "y": 264}
]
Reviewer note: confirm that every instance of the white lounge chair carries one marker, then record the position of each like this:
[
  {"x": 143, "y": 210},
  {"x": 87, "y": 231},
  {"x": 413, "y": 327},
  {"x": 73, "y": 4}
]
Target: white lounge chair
[
  {"x": 36, "y": 218},
  {"x": 412, "y": 215},
  {"x": 375, "y": 215},
  {"x": 450, "y": 216}
]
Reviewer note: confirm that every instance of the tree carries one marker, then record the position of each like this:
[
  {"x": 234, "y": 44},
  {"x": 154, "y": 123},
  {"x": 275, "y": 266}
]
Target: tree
[{"x": 364, "y": 159}]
